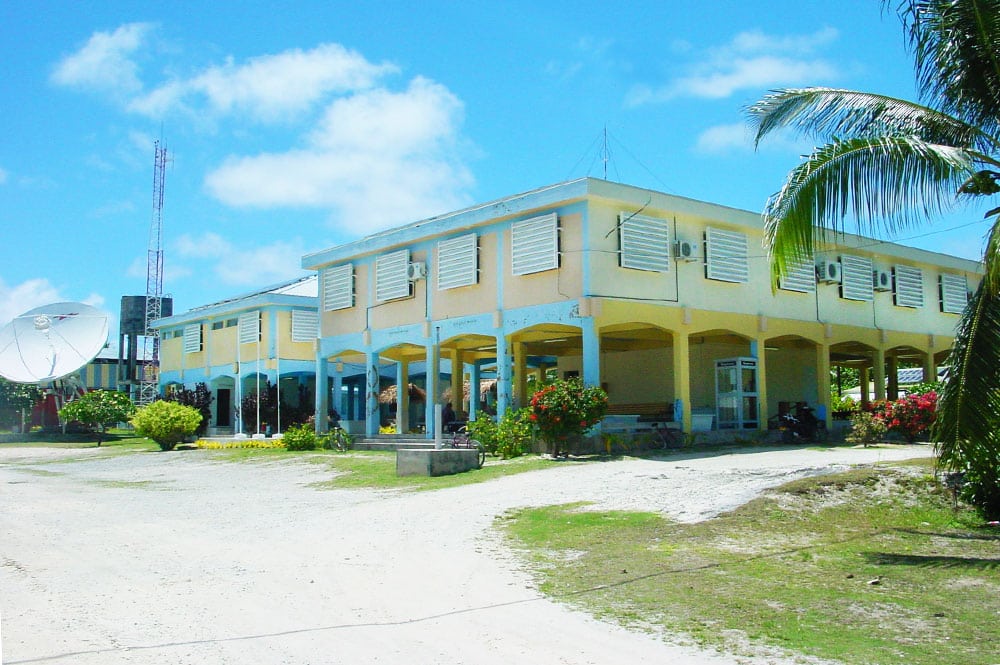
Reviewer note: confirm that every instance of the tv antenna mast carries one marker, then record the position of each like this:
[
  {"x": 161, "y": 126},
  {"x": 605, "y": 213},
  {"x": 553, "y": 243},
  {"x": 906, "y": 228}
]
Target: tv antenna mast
[{"x": 149, "y": 384}]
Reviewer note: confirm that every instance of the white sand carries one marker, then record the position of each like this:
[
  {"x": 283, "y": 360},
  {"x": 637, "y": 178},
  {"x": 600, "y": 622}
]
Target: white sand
[{"x": 176, "y": 558}]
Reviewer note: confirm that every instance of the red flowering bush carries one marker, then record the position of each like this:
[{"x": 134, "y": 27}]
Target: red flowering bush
[
  {"x": 913, "y": 415},
  {"x": 564, "y": 410}
]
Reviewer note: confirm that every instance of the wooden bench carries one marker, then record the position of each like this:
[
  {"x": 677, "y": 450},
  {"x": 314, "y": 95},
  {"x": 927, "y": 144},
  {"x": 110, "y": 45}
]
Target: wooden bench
[{"x": 637, "y": 417}]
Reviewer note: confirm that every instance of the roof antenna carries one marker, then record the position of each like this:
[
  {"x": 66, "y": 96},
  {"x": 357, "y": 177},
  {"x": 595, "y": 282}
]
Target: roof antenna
[{"x": 605, "y": 153}]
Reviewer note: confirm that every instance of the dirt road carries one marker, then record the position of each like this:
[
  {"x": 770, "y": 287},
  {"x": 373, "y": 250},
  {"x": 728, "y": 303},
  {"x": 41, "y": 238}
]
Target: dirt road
[{"x": 181, "y": 558}]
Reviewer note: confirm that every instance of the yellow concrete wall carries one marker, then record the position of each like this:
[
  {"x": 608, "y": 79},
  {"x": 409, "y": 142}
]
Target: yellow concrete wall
[
  {"x": 477, "y": 299},
  {"x": 353, "y": 319},
  {"x": 637, "y": 377},
  {"x": 552, "y": 285},
  {"x": 222, "y": 345},
  {"x": 286, "y": 347}
]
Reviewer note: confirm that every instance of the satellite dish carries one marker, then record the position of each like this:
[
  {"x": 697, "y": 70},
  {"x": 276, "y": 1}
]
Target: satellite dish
[{"x": 49, "y": 342}]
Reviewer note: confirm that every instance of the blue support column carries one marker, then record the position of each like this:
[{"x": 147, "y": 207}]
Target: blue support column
[
  {"x": 591, "y": 353},
  {"x": 503, "y": 375},
  {"x": 474, "y": 390},
  {"x": 432, "y": 375},
  {"x": 335, "y": 399},
  {"x": 322, "y": 371},
  {"x": 371, "y": 394}
]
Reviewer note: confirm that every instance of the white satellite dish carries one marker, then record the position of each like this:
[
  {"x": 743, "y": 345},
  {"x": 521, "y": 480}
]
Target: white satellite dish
[{"x": 50, "y": 342}]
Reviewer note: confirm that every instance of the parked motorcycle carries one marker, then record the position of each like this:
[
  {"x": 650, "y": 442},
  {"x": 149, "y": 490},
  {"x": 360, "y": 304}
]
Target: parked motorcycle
[{"x": 800, "y": 426}]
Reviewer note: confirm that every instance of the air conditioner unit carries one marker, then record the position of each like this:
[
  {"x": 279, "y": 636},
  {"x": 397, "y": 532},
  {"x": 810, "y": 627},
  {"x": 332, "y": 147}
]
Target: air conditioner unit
[
  {"x": 882, "y": 280},
  {"x": 417, "y": 271},
  {"x": 687, "y": 250},
  {"x": 829, "y": 272}
]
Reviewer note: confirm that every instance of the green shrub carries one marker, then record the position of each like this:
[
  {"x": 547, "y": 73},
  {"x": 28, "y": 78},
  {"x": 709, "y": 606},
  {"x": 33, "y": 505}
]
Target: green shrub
[
  {"x": 100, "y": 409},
  {"x": 299, "y": 437},
  {"x": 486, "y": 431},
  {"x": 514, "y": 433},
  {"x": 867, "y": 428},
  {"x": 166, "y": 423}
]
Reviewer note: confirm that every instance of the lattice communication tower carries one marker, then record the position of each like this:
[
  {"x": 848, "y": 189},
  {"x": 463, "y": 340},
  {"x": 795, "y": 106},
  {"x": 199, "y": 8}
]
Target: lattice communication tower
[{"x": 149, "y": 384}]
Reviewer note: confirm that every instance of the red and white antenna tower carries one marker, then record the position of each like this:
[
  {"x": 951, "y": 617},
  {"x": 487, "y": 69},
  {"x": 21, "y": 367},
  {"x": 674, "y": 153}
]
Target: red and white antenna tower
[{"x": 149, "y": 385}]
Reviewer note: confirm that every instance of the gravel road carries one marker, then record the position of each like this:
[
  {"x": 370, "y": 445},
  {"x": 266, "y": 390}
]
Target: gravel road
[{"x": 181, "y": 558}]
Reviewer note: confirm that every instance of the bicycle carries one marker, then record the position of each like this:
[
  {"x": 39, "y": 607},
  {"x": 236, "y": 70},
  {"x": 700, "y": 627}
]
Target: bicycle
[
  {"x": 663, "y": 438},
  {"x": 460, "y": 438},
  {"x": 338, "y": 439}
]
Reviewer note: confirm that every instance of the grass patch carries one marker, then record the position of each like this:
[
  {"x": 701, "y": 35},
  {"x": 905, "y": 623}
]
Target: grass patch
[
  {"x": 364, "y": 469},
  {"x": 114, "y": 441},
  {"x": 868, "y": 566}
]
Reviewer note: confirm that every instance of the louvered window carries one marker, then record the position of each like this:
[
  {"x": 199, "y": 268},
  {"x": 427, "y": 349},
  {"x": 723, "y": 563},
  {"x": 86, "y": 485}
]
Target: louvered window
[
  {"x": 305, "y": 326},
  {"x": 644, "y": 243},
  {"x": 392, "y": 279},
  {"x": 954, "y": 293},
  {"x": 726, "y": 256},
  {"x": 801, "y": 277},
  {"x": 908, "y": 286},
  {"x": 338, "y": 287},
  {"x": 535, "y": 245},
  {"x": 857, "y": 280},
  {"x": 249, "y": 327},
  {"x": 192, "y": 338},
  {"x": 458, "y": 262}
]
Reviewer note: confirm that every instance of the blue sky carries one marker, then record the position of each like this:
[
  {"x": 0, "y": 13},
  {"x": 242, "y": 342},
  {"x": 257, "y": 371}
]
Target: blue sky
[{"x": 296, "y": 126}]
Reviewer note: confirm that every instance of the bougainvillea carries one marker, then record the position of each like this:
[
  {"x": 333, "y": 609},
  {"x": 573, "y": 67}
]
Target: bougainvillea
[
  {"x": 563, "y": 411},
  {"x": 912, "y": 415}
]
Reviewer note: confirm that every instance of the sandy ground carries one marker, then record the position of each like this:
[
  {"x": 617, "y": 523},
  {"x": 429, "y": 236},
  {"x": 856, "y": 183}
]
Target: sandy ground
[{"x": 176, "y": 558}]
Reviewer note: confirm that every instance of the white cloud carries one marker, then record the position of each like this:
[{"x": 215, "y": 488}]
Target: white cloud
[
  {"x": 19, "y": 298},
  {"x": 752, "y": 60},
  {"x": 377, "y": 158},
  {"x": 268, "y": 87},
  {"x": 260, "y": 264},
  {"x": 723, "y": 138},
  {"x": 104, "y": 63}
]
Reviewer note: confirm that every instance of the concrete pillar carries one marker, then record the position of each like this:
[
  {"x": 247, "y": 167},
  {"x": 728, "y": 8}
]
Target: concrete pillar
[
  {"x": 591, "y": 353},
  {"x": 371, "y": 394},
  {"x": 402, "y": 397},
  {"x": 892, "y": 391},
  {"x": 503, "y": 376},
  {"x": 930, "y": 367},
  {"x": 865, "y": 378},
  {"x": 474, "y": 390},
  {"x": 759, "y": 350},
  {"x": 432, "y": 356},
  {"x": 457, "y": 380},
  {"x": 682, "y": 378},
  {"x": 823, "y": 411},
  {"x": 321, "y": 397},
  {"x": 338, "y": 387},
  {"x": 519, "y": 380},
  {"x": 878, "y": 373}
]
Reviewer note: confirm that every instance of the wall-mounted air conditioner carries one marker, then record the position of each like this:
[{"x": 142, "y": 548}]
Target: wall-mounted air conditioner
[
  {"x": 417, "y": 270},
  {"x": 687, "y": 250},
  {"x": 829, "y": 272},
  {"x": 882, "y": 280}
]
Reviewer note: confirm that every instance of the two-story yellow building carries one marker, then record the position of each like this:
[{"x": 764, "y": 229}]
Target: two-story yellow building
[
  {"x": 664, "y": 301},
  {"x": 238, "y": 346}
]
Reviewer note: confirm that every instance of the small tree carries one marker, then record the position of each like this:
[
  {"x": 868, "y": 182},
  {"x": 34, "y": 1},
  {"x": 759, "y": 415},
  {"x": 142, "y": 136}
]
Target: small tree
[
  {"x": 563, "y": 411},
  {"x": 16, "y": 398},
  {"x": 166, "y": 423},
  {"x": 99, "y": 409},
  {"x": 200, "y": 398}
]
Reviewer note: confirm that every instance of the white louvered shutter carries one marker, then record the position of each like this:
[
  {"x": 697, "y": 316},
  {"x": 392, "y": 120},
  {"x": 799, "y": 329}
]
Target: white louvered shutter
[
  {"x": 908, "y": 286},
  {"x": 392, "y": 278},
  {"x": 726, "y": 256},
  {"x": 857, "y": 281},
  {"x": 535, "y": 245},
  {"x": 458, "y": 262},
  {"x": 644, "y": 242},
  {"x": 338, "y": 287},
  {"x": 305, "y": 325}
]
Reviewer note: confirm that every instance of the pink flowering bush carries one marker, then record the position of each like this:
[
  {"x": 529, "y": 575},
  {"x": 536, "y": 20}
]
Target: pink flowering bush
[{"x": 563, "y": 411}]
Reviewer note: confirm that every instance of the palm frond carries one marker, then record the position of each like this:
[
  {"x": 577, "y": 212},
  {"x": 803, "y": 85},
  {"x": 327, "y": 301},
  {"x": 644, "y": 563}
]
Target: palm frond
[
  {"x": 969, "y": 405},
  {"x": 884, "y": 184},
  {"x": 956, "y": 48},
  {"x": 827, "y": 113}
]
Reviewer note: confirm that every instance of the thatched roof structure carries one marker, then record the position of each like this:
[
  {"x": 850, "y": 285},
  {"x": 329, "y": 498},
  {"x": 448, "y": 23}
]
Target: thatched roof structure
[
  {"x": 388, "y": 396},
  {"x": 485, "y": 386}
]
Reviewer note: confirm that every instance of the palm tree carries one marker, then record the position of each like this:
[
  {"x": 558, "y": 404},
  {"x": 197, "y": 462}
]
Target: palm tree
[{"x": 890, "y": 164}]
